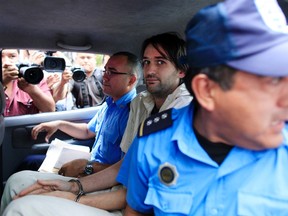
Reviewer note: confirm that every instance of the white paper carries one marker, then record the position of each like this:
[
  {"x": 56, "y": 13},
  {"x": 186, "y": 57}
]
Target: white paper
[{"x": 60, "y": 152}]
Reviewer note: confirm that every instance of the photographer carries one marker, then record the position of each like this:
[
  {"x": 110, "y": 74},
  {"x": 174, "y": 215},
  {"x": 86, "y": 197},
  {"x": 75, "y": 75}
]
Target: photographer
[
  {"x": 21, "y": 96},
  {"x": 87, "y": 91}
]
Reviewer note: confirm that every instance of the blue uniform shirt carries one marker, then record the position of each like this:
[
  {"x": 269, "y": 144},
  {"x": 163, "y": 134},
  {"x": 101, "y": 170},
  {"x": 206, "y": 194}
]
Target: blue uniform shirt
[
  {"x": 109, "y": 124},
  {"x": 172, "y": 175}
]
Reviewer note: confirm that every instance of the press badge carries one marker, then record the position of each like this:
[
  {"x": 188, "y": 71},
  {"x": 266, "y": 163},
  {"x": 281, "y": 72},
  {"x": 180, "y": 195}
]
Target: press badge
[{"x": 168, "y": 174}]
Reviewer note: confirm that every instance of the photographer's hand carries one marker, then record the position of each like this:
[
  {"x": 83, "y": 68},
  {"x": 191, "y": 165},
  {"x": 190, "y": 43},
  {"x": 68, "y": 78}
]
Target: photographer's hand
[
  {"x": 52, "y": 79},
  {"x": 10, "y": 72},
  {"x": 66, "y": 76},
  {"x": 61, "y": 89},
  {"x": 36, "y": 57},
  {"x": 25, "y": 86}
]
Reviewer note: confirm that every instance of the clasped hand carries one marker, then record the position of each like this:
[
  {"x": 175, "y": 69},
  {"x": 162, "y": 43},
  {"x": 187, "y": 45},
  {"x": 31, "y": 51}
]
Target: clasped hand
[{"x": 57, "y": 188}]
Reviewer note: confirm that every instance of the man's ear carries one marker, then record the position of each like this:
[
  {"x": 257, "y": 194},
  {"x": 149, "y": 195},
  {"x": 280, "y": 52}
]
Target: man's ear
[
  {"x": 181, "y": 74},
  {"x": 132, "y": 80},
  {"x": 204, "y": 89}
]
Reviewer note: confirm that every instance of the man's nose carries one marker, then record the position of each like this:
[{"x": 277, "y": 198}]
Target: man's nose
[
  {"x": 105, "y": 76},
  {"x": 149, "y": 69}
]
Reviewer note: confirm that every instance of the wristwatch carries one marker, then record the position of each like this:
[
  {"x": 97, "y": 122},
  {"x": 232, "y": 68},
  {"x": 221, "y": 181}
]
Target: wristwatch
[{"x": 89, "y": 168}]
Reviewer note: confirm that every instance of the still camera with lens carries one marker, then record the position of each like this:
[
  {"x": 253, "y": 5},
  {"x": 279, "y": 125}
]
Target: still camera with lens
[{"x": 79, "y": 74}]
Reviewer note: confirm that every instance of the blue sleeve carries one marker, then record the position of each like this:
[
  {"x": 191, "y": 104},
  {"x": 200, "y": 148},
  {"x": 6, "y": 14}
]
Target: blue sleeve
[
  {"x": 133, "y": 174},
  {"x": 92, "y": 124},
  {"x": 123, "y": 173}
]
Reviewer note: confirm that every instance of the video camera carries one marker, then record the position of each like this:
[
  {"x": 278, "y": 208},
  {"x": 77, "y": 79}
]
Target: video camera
[
  {"x": 53, "y": 64},
  {"x": 33, "y": 74},
  {"x": 79, "y": 74}
]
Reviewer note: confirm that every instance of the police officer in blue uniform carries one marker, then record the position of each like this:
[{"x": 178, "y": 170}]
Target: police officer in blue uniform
[{"x": 227, "y": 152}]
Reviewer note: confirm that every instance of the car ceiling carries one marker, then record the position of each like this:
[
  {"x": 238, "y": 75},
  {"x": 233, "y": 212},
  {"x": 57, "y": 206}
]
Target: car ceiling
[{"x": 107, "y": 26}]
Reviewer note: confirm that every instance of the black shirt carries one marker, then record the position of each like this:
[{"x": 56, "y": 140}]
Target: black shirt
[{"x": 216, "y": 151}]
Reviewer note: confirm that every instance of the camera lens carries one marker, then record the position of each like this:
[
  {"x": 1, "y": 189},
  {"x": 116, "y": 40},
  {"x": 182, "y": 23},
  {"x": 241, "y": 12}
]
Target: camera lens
[
  {"x": 32, "y": 75},
  {"x": 53, "y": 64},
  {"x": 78, "y": 75}
]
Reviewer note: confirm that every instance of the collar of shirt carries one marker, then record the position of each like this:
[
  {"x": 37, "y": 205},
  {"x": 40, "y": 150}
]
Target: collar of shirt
[
  {"x": 180, "y": 91},
  {"x": 191, "y": 147},
  {"x": 285, "y": 134},
  {"x": 147, "y": 100},
  {"x": 124, "y": 100},
  {"x": 174, "y": 99}
]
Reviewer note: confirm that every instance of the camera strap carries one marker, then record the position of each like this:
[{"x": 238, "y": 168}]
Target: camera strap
[
  {"x": 85, "y": 95},
  {"x": 98, "y": 80}
]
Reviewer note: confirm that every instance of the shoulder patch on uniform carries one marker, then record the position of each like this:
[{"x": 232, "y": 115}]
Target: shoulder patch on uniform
[{"x": 155, "y": 123}]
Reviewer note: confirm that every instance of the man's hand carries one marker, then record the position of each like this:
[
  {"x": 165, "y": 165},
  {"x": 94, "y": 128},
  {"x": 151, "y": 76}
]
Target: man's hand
[
  {"x": 25, "y": 86},
  {"x": 10, "y": 72},
  {"x": 52, "y": 79},
  {"x": 37, "y": 57},
  {"x": 49, "y": 127},
  {"x": 74, "y": 168},
  {"x": 45, "y": 186},
  {"x": 66, "y": 76},
  {"x": 131, "y": 212}
]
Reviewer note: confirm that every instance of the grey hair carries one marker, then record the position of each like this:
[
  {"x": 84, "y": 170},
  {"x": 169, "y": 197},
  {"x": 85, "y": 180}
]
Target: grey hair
[{"x": 133, "y": 62}]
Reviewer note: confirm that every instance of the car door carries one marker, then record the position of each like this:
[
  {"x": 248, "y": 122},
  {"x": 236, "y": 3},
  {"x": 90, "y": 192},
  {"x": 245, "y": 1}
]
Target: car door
[{"x": 17, "y": 142}]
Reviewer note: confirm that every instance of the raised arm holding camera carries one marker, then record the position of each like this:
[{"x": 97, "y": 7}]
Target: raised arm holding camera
[
  {"x": 23, "y": 97},
  {"x": 87, "y": 86},
  {"x": 84, "y": 81}
]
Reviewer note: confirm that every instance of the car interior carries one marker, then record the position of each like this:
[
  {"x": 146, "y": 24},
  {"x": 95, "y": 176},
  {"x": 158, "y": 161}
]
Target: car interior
[{"x": 102, "y": 27}]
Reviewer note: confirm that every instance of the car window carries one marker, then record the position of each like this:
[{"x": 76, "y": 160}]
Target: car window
[{"x": 69, "y": 80}]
